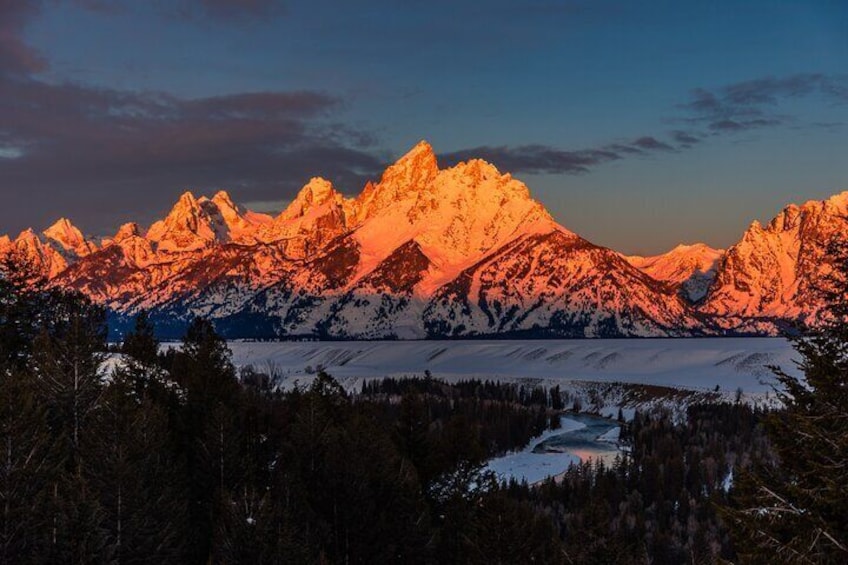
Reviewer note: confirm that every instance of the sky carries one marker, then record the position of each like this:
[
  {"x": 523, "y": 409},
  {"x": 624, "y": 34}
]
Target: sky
[{"x": 639, "y": 125}]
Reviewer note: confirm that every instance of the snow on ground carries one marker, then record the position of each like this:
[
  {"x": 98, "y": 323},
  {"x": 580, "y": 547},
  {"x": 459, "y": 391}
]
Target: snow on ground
[
  {"x": 610, "y": 436},
  {"x": 695, "y": 363},
  {"x": 524, "y": 465}
]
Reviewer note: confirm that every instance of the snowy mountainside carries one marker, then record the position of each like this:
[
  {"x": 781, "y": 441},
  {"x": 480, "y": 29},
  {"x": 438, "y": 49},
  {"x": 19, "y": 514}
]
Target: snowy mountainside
[{"x": 430, "y": 252}]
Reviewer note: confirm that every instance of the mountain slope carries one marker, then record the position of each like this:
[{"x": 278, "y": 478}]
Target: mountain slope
[{"x": 557, "y": 283}]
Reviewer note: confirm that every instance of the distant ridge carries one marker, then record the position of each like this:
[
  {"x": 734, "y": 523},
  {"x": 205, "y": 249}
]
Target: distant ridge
[{"x": 428, "y": 252}]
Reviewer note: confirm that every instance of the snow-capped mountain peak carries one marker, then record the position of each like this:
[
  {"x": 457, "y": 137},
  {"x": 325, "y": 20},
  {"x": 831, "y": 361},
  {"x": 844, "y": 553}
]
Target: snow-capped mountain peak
[
  {"x": 414, "y": 169},
  {"x": 406, "y": 179},
  {"x": 69, "y": 238},
  {"x": 690, "y": 268},
  {"x": 238, "y": 224},
  {"x": 316, "y": 193},
  {"x": 126, "y": 231},
  {"x": 189, "y": 226}
]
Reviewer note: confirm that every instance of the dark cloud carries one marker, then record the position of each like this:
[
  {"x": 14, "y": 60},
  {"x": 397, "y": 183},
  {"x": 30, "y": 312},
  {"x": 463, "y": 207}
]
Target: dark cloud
[
  {"x": 733, "y": 108},
  {"x": 652, "y": 144},
  {"x": 535, "y": 158},
  {"x": 129, "y": 147},
  {"x": 728, "y": 125},
  {"x": 754, "y": 103},
  {"x": 16, "y": 57},
  {"x": 685, "y": 139}
]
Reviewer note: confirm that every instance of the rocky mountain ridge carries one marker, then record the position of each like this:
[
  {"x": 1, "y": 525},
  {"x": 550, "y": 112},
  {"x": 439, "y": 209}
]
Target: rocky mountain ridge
[{"x": 429, "y": 252}]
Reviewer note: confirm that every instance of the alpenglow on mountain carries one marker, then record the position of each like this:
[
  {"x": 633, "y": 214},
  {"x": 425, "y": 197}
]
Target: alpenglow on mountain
[{"x": 432, "y": 253}]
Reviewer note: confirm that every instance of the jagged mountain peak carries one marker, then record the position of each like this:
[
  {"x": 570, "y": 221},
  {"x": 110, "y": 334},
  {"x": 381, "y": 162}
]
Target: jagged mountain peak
[
  {"x": 314, "y": 194},
  {"x": 126, "y": 231},
  {"x": 195, "y": 223},
  {"x": 793, "y": 214},
  {"x": 45, "y": 258},
  {"x": 787, "y": 219},
  {"x": 414, "y": 169},
  {"x": 317, "y": 215},
  {"x": 773, "y": 272},
  {"x": 69, "y": 238},
  {"x": 27, "y": 234},
  {"x": 420, "y": 156},
  {"x": 231, "y": 221},
  {"x": 63, "y": 229},
  {"x": 187, "y": 202},
  {"x": 455, "y": 215},
  {"x": 187, "y": 227},
  {"x": 409, "y": 176},
  {"x": 184, "y": 213},
  {"x": 222, "y": 200}
]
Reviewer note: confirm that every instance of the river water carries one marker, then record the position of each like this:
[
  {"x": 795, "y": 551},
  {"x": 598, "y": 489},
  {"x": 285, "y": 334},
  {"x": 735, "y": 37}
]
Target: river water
[{"x": 579, "y": 438}]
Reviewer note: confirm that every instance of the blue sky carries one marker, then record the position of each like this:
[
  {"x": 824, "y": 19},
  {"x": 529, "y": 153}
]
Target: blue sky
[{"x": 639, "y": 125}]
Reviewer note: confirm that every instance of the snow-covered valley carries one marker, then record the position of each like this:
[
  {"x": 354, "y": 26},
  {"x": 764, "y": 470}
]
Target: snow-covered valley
[{"x": 699, "y": 364}]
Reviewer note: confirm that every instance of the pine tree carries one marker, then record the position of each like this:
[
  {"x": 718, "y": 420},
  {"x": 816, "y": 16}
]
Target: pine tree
[
  {"x": 794, "y": 510},
  {"x": 67, "y": 356},
  {"x": 26, "y": 467},
  {"x": 136, "y": 477},
  {"x": 209, "y": 430}
]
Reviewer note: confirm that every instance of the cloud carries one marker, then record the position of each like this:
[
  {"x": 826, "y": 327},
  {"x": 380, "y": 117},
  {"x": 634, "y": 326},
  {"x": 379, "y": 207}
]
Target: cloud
[
  {"x": 753, "y": 104},
  {"x": 264, "y": 144},
  {"x": 685, "y": 139},
  {"x": 730, "y": 109},
  {"x": 16, "y": 57},
  {"x": 652, "y": 144},
  {"x": 536, "y": 158}
]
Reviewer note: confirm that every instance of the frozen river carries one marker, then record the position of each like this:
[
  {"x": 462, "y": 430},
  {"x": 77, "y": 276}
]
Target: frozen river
[{"x": 580, "y": 437}]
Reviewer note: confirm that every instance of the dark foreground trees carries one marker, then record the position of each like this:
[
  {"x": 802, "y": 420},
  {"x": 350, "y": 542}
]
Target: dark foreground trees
[
  {"x": 174, "y": 457},
  {"x": 794, "y": 508},
  {"x": 177, "y": 457}
]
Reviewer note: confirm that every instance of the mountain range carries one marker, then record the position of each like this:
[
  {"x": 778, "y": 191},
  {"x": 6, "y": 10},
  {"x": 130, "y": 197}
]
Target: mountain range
[{"x": 432, "y": 253}]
